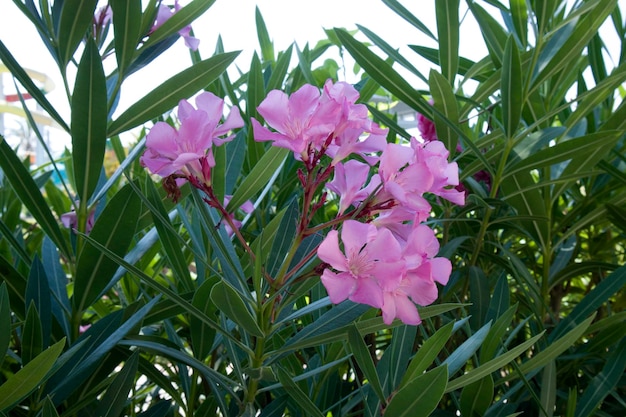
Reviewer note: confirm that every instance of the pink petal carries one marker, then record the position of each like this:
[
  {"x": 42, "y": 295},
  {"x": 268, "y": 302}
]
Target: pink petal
[
  {"x": 330, "y": 253},
  {"x": 355, "y": 235},
  {"x": 368, "y": 292},
  {"x": 339, "y": 286},
  {"x": 406, "y": 311},
  {"x": 441, "y": 269},
  {"x": 274, "y": 109}
]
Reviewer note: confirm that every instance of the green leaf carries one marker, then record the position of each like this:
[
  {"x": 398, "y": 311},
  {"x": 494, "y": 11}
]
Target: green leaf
[
  {"x": 168, "y": 238},
  {"x": 229, "y": 302},
  {"x": 202, "y": 336},
  {"x": 476, "y": 397},
  {"x": 114, "y": 400},
  {"x": 549, "y": 388},
  {"x": 512, "y": 87},
  {"x": 493, "y": 365},
  {"x": 494, "y": 339},
  {"x": 479, "y": 296},
  {"x": 126, "y": 15},
  {"x": 463, "y": 353},
  {"x": 38, "y": 292},
  {"x": 19, "y": 385},
  {"x": 294, "y": 391},
  {"x": 427, "y": 353},
  {"x": 447, "y": 15},
  {"x": 383, "y": 73},
  {"x": 89, "y": 120},
  {"x": 519, "y": 14},
  {"x": 445, "y": 102},
  {"x": 593, "y": 146},
  {"x": 168, "y": 94},
  {"x": 267, "y": 47},
  {"x": 607, "y": 288},
  {"x": 604, "y": 383},
  {"x": 114, "y": 229},
  {"x": 279, "y": 72},
  {"x": 32, "y": 336},
  {"x": 76, "y": 18},
  {"x": 28, "y": 192},
  {"x": 48, "y": 409},
  {"x": 420, "y": 396},
  {"x": 259, "y": 176},
  {"x": 282, "y": 240},
  {"x": 494, "y": 35},
  {"x": 363, "y": 358},
  {"x": 5, "y": 320},
  {"x": 409, "y": 17},
  {"x": 555, "y": 348}
]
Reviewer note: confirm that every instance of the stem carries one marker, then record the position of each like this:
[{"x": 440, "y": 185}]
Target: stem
[{"x": 256, "y": 363}]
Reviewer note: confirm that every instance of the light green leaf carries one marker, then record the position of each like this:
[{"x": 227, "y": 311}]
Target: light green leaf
[
  {"x": 19, "y": 385},
  {"x": 427, "y": 353},
  {"x": 512, "y": 87},
  {"x": 228, "y": 301},
  {"x": 267, "y": 47},
  {"x": 447, "y": 14},
  {"x": 420, "y": 396},
  {"x": 167, "y": 95}
]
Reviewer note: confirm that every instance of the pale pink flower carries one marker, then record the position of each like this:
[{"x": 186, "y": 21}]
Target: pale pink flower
[
  {"x": 445, "y": 174},
  {"x": 371, "y": 257},
  {"x": 292, "y": 119},
  {"x": 186, "y": 152},
  {"x": 349, "y": 183},
  {"x": 246, "y": 207},
  {"x": 164, "y": 13}
]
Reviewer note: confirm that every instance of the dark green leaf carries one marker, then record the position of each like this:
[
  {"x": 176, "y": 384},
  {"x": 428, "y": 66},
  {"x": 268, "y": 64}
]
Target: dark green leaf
[
  {"x": 38, "y": 293},
  {"x": 202, "y": 336},
  {"x": 76, "y": 17},
  {"x": 461, "y": 355},
  {"x": 114, "y": 400},
  {"x": 294, "y": 391},
  {"x": 168, "y": 94},
  {"x": 114, "y": 229},
  {"x": 228, "y": 300},
  {"x": 126, "y": 16},
  {"x": 420, "y": 396},
  {"x": 476, "y": 397},
  {"x": 512, "y": 87},
  {"x": 267, "y": 47},
  {"x": 32, "y": 338},
  {"x": 363, "y": 358},
  {"x": 447, "y": 14},
  {"x": 445, "y": 102}
]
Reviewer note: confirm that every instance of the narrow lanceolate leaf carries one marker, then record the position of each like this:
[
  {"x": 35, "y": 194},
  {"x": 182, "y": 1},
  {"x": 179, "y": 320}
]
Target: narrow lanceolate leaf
[
  {"x": 477, "y": 396},
  {"x": 383, "y": 73},
  {"x": 167, "y": 95},
  {"x": 5, "y": 320},
  {"x": 420, "y": 396},
  {"x": 32, "y": 339},
  {"x": 512, "y": 88},
  {"x": 36, "y": 92},
  {"x": 20, "y": 385},
  {"x": 114, "y": 401},
  {"x": 409, "y": 17},
  {"x": 294, "y": 391},
  {"x": 38, "y": 293},
  {"x": 447, "y": 12},
  {"x": 76, "y": 17},
  {"x": 519, "y": 14},
  {"x": 461, "y": 355},
  {"x": 363, "y": 358},
  {"x": 126, "y": 16},
  {"x": 202, "y": 335},
  {"x": 258, "y": 177},
  {"x": 426, "y": 354},
  {"x": 445, "y": 102},
  {"x": 267, "y": 47},
  {"x": 28, "y": 192},
  {"x": 604, "y": 383},
  {"x": 548, "y": 388},
  {"x": 228, "y": 300},
  {"x": 114, "y": 229},
  {"x": 89, "y": 120}
]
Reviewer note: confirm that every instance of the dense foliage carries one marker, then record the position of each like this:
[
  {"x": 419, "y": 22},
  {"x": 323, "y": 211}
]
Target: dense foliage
[{"x": 158, "y": 301}]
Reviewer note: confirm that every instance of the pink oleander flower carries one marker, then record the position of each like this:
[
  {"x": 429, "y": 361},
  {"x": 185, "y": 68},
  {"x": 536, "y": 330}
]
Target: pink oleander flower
[
  {"x": 445, "y": 174},
  {"x": 370, "y": 256},
  {"x": 405, "y": 179},
  {"x": 427, "y": 129},
  {"x": 187, "y": 152},
  {"x": 165, "y": 13},
  {"x": 100, "y": 20},
  {"x": 246, "y": 207},
  {"x": 349, "y": 183},
  {"x": 70, "y": 220},
  {"x": 292, "y": 119}
]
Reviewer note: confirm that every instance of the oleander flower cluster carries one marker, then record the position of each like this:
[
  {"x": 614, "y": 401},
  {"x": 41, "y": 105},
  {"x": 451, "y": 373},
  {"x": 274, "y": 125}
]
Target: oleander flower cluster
[
  {"x": 389, "y": 257},
  {"x": 379, "y": 250}
]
